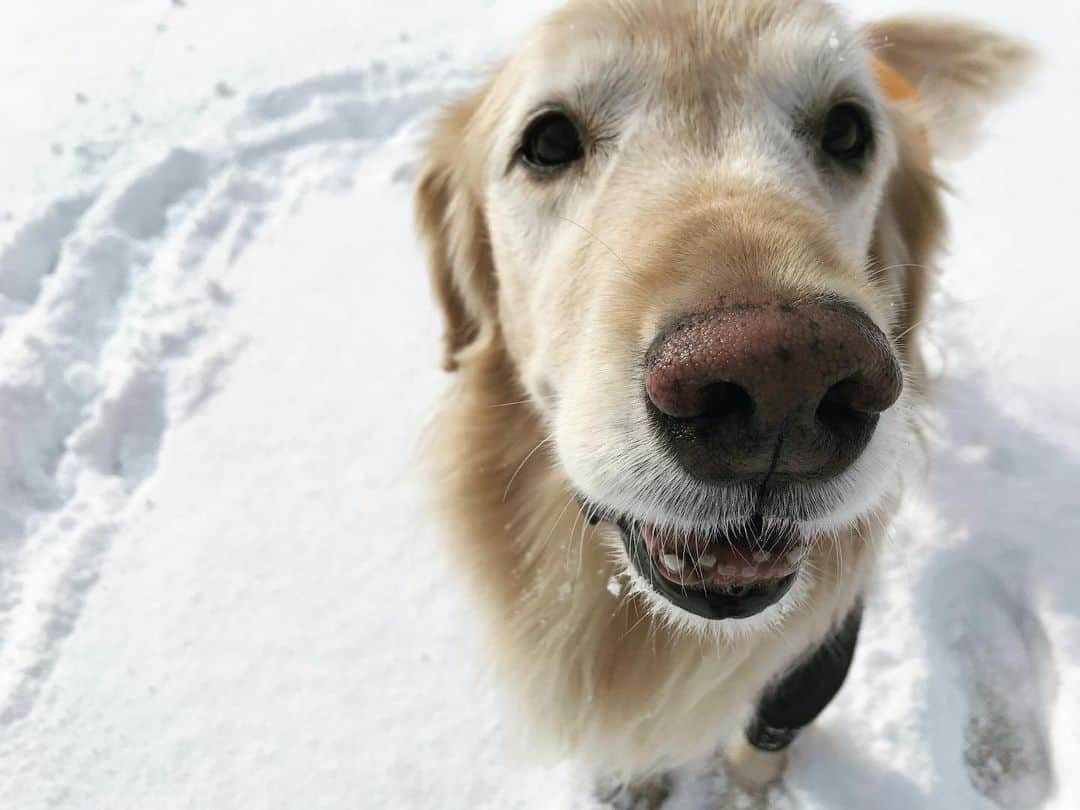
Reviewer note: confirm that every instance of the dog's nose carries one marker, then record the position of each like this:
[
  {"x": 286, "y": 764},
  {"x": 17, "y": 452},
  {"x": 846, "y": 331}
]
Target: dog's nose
[{"x": 771, "y": 388}]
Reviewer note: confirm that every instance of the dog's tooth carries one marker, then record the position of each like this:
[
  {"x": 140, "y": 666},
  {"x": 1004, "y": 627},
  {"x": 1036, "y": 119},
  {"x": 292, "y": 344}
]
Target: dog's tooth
[
  {"x": 749, "y": 571},
  {"x": 729, "y": 570},
  {"x": 762, "y": 556},
  {"x": 794, "y": 557},
  {"x": 673, "y": 562},
  {"x": 707, "y": 560}
]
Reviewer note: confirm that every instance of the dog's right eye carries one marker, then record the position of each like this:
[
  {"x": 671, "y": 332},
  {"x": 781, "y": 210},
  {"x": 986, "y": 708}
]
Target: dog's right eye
[{"x": 551, "y": 142}]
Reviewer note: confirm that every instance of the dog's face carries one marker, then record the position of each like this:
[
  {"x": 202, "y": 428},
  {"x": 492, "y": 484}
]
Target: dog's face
[{"x": 685, "y": 205}]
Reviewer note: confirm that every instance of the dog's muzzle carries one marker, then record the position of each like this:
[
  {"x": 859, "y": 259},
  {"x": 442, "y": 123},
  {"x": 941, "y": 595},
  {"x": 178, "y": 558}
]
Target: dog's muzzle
[{"x": 771, "y": 394}]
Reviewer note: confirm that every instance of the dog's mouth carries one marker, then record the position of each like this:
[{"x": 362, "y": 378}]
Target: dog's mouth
[{"x": 718, "y": 574}]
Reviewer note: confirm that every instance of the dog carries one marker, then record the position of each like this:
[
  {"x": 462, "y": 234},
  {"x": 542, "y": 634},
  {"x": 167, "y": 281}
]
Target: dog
[{"x": 682, "y": 250}]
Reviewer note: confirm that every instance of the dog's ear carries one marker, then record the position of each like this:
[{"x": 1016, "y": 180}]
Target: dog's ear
[
  {"x": 909, "y": 231},
  {"x": 942, "y": 77},
  {"x": 957, "y": 69},
  {"x": 451, "y": 220}
]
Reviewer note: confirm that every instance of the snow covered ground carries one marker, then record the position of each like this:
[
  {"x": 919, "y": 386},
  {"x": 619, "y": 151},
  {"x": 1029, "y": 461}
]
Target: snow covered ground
[{"x": 216, "y": 352}]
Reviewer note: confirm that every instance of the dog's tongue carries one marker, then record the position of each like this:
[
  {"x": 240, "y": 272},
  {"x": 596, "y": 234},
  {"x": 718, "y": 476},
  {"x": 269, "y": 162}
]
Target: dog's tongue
[{"x": 723, "y": 560}]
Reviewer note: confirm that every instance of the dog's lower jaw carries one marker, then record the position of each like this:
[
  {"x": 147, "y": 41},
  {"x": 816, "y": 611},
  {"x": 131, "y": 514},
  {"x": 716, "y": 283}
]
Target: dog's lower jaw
[
  {"x": 768, "y": 622},
  {"x": 720, "y": 667}
]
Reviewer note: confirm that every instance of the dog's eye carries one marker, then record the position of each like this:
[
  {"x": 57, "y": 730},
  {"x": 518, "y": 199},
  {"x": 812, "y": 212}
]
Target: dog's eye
[
  {"x": 847, "y": 134},
  {"x": 551, "y": 141}
]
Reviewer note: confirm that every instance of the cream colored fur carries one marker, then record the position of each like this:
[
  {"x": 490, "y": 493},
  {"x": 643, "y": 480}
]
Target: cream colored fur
[{"x": 553, "y": 291}]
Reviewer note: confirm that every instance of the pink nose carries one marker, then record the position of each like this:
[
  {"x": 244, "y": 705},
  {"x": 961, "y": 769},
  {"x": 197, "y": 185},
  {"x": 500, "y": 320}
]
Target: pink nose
[{"x": 766, "y": 387}]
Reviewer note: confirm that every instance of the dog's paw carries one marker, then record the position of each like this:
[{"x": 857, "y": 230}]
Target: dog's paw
[
  {"x": 750, "y": 768},
  {"x": 643, "y": 794}
]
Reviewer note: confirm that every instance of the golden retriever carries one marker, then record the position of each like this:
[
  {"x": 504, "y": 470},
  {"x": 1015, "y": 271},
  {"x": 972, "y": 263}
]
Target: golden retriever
[{"x": 681, "y": 248}]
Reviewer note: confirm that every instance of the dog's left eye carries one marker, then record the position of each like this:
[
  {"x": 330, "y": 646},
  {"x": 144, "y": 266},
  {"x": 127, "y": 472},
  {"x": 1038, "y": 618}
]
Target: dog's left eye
[
  {"x": 847, "y": 134},
  {"x": 551, "y": 142}
]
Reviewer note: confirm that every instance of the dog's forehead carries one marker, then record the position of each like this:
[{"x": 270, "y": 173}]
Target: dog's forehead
[{"x": 691, "y": 55}]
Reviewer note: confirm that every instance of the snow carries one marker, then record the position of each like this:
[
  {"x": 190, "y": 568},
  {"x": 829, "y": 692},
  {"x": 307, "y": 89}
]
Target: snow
[{"x": 216, "y": 354}]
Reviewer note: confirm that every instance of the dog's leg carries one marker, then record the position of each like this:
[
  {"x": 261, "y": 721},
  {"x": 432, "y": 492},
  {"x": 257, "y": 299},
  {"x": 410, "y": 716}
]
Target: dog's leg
[{"x": 789, "y": 704}]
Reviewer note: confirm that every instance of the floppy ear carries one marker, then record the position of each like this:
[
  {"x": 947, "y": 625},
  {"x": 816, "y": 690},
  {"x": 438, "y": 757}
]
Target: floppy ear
[
  {"x": 451, "y": 221},
  {"x": 958, "y": 70},
  {"x": 942, "y": 77},
  {"x": 909, "y": 231}
]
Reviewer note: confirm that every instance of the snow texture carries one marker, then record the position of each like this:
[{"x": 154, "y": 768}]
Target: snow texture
[{"x": 216, "y": 355}]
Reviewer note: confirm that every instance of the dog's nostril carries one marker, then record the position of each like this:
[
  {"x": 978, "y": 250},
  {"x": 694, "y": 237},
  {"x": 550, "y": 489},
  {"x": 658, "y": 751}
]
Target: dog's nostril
[
  {"x": 840, "y": 411},
  {"x": 723, "y": 400}
]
